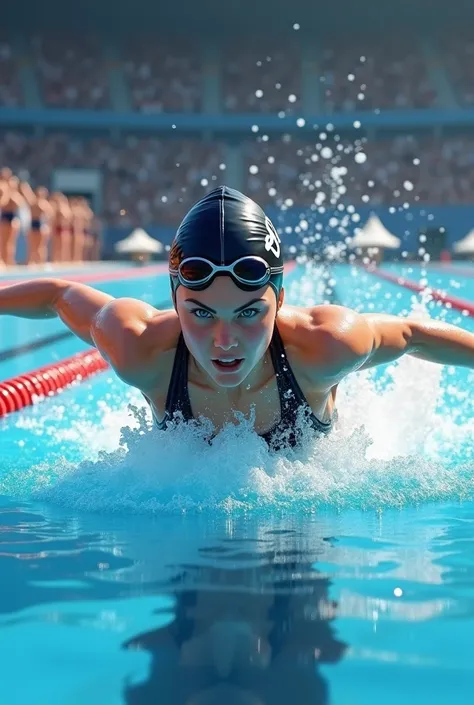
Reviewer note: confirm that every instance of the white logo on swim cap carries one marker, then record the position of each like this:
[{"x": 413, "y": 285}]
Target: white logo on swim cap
[{"x": 272, "y": 241}]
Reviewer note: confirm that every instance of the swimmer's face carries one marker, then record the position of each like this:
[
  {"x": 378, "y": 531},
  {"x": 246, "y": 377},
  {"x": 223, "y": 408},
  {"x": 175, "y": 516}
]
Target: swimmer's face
[{"x": 224, "y": 323}]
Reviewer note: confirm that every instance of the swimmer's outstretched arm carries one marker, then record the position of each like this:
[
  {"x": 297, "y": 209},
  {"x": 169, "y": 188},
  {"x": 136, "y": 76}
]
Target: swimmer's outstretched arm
[
  {"x": 429, "y": 340},
  {"x": 75, "y": 304},
  {"x": 345, "y": 341},
  {"x": 126, "y": 331}
]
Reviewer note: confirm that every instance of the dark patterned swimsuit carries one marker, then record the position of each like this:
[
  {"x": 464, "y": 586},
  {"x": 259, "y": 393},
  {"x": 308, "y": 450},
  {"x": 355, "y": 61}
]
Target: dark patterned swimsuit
[{"x": 292, "y": 399}]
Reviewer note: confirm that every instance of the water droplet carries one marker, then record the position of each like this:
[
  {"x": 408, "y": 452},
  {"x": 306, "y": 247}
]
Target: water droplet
[{"x": 360, "y": 157}]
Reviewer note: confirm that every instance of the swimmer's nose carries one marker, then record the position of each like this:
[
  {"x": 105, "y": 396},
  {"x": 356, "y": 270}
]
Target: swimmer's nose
[{"x": 223, "y": 337}]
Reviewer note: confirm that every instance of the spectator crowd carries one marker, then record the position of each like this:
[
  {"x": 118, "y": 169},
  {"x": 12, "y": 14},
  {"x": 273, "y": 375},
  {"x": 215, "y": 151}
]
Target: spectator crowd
[
  {"x": 58, "y": 228},
  {"x": 155, "y": 179},
  {"x": 166, "y": 75},
  {"x": 150, "y": 180}
]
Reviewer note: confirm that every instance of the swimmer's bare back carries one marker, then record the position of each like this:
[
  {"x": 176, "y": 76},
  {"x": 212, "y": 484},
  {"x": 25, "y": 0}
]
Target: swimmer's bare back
[{"x": 323, "y": 343}]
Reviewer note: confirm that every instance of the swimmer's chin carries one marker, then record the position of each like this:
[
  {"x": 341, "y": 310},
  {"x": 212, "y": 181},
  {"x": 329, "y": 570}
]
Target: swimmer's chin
[{"x": 229, "y": 380}]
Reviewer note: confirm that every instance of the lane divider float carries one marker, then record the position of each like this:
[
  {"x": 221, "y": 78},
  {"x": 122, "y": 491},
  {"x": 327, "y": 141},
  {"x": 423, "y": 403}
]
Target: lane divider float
[
  {"x": 456, "y": 303},
  {"x": 26, "y": 389}
]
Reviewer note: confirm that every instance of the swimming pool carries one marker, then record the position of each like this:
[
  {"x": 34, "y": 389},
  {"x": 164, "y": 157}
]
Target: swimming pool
[{"x": 141, "y": 567}]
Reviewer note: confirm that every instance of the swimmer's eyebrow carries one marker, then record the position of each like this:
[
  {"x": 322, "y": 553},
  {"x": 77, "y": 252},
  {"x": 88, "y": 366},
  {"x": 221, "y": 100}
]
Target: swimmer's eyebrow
[{"x": 211, "y": 310}]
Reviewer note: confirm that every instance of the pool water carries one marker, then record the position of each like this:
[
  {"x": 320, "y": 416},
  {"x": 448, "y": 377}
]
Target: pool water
[{"x": 146, "y": 567}]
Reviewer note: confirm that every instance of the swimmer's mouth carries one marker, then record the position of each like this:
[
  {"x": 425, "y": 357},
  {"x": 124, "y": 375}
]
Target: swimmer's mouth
[{"x": 229, "y": 364}]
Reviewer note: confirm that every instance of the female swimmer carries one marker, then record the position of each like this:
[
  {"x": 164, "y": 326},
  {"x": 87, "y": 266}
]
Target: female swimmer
[{"x": 230, "y": 344}]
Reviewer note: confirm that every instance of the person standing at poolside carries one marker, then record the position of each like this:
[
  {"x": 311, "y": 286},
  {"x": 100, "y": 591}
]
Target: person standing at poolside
[
  {"x": 61, "y": 228},
  {"x": 42, "y": 214},
  {"x": 11, "y": 202}
]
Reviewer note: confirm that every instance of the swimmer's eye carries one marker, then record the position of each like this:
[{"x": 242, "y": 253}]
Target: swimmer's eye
[
  {"x": 198, "y": 311},
  {"x": 252, "y": 312},
  {"x": 205, "y": 314}
]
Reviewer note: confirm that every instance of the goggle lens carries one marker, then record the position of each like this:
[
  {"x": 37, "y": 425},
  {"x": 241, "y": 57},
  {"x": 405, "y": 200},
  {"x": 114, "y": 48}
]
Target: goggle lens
[
  {"x": 251, "y": 271},
  {"x": 195, "y": 270}
]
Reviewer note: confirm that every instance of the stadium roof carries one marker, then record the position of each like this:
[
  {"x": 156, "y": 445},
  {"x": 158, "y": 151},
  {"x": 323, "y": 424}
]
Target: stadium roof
[{"x": 315, "y": 17}]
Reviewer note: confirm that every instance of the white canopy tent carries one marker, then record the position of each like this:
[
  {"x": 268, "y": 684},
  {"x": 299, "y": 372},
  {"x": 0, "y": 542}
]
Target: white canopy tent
[
  {"x": 466, "y": 245},
  {"x": 374, "y": 234},
  {"x": 139, "y": 243}
]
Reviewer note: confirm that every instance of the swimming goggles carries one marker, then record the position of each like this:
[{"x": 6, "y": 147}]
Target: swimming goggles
[{"x": 197, "y": 272}]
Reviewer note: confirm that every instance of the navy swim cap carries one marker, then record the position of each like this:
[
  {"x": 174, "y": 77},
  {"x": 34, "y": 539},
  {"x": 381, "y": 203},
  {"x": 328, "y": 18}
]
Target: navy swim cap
[{"x": 222, "y": 227}]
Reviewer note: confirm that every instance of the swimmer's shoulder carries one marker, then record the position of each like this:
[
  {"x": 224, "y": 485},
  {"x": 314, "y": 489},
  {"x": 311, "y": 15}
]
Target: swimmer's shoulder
[
  {"x": 137, "y": 339},
  {"x": 327, "y": 341}
]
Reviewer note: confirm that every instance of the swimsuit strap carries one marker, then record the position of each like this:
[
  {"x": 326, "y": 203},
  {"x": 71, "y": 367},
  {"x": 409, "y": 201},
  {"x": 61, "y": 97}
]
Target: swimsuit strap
[
  {"x": 177, "y": 399},
  {"x": 290, "y": 392}
]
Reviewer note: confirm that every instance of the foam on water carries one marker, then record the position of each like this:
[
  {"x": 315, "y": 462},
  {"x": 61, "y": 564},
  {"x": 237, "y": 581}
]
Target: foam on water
[{"x": 395, "y": 444}]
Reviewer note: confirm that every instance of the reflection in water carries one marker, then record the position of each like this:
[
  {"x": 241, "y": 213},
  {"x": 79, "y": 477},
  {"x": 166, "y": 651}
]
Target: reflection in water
[
  {"x": 36, "y": 550},
  {"x": 134, "y": 609},
  {"x": 251, "y": 635}
]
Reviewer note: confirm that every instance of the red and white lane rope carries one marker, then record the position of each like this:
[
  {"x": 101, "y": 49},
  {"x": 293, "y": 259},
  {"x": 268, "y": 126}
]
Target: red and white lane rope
[
  {"x": 454, "y": 302},
  {"x": 18, "y": 392}
]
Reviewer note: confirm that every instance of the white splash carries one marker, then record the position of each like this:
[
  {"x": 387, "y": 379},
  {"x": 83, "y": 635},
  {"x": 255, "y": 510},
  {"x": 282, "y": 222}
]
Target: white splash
[{"x": 390, "y": 447}]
